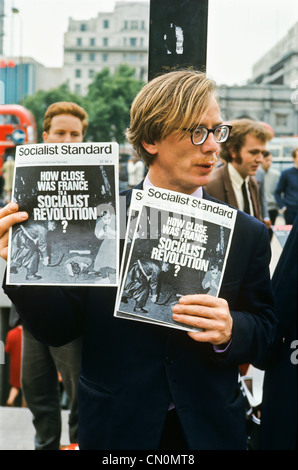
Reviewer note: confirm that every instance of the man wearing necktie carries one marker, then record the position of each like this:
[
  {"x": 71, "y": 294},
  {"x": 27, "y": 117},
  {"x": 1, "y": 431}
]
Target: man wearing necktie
[{"x": 234, "y": 182}]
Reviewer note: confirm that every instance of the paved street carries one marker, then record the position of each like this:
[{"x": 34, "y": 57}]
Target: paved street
[{"x": 17, "y": 431}]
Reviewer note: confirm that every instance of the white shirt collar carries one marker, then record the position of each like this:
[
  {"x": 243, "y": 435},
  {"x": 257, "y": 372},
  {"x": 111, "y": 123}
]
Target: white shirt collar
[
  {"x": 237, "y": 181},
  {"x": 236, "y": 177}
]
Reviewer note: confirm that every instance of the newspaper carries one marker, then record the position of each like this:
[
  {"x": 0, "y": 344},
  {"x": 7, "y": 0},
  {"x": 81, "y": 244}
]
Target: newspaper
[
  {"x": 175, "y": 245},
  {"x": 71, "y": 237}
]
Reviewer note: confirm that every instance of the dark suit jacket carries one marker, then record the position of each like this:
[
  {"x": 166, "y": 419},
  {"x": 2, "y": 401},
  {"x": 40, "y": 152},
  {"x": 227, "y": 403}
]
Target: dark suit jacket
[
  {"x": 280, "y": 393},
  {"x": 220, "y": 187},
  {"x": 130, "y": 371}
]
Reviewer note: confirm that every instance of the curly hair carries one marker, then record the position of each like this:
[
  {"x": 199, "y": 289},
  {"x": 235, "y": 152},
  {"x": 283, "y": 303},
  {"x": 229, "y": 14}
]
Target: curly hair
[{"x": 241, "y": 128}]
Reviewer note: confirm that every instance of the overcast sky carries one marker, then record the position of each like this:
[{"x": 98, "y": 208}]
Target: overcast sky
[{"x": 239, "y": 31}]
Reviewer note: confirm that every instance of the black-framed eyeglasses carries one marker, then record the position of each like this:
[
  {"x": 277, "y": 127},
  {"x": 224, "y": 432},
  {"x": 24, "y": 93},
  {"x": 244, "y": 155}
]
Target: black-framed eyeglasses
[{"x": 200, "y": 134}]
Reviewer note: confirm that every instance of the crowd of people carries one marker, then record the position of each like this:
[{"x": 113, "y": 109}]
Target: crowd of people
[{"x": 132, "y": 385}]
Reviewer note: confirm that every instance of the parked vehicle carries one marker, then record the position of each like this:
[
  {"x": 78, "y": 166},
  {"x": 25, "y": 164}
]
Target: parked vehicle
[
  {"x": 17, "y": 126},
  {"x": 281, "y": 149}
]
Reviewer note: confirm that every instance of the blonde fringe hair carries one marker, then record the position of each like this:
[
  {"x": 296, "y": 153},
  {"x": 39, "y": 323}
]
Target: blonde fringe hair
[{"x": 175, "y": 101}]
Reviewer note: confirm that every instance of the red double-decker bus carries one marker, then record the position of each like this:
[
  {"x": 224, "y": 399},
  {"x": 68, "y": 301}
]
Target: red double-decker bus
[{"x": 17, "y": 126}]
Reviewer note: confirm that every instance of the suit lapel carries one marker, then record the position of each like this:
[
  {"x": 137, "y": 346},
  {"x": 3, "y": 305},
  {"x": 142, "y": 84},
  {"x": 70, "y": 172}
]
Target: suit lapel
[
  {"x": 230, "y": 197},
  {"x": 128, "y": 193}
]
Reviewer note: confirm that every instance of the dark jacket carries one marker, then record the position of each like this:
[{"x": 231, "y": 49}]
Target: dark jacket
[
  {"x": 131, "y": 371},
  {"x": 279, "y": 406}
]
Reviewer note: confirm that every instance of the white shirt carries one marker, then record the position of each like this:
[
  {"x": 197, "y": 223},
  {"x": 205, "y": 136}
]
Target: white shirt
[
  {"x": 237, "y": 180},
  {"x": 135, "y": 172}
]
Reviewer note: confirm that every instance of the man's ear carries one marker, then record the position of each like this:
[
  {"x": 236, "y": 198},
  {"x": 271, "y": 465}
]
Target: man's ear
[
  {"x": 233, "y": 153},
  {"x": 151, "y": 148},
  {"x": 44, "y": 136}
]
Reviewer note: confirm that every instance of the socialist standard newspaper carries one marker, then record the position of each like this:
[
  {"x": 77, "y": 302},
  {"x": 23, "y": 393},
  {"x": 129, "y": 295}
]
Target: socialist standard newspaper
[
  {"x": 71, "y": 237},
  {"x": 175, "y": 245}
]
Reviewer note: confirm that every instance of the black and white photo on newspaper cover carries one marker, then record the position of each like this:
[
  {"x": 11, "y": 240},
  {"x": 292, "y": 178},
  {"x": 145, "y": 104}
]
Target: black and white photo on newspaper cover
[
  {"x": 177, "y": 246},
  {"x": 135, "y": 205},
  {"x": 71, "y": 237}
]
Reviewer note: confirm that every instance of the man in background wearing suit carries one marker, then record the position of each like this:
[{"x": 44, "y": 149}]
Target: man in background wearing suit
[{"x": 234, "y": 182}]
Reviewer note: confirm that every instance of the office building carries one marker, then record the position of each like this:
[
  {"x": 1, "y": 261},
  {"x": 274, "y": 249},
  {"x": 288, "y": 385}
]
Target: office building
[{"x": 110, "y": 39}]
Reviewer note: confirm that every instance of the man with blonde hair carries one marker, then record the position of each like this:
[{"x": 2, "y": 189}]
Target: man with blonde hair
[
  {"x": 234, "y": 183},
  {"x": 144, "y": 386}
]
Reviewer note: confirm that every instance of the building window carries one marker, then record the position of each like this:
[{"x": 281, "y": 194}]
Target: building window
[
  {"x": 78, "y": 57},
  {"x": 106, "y": 24},
  {"x": 142, "y": 74},
  {"x": 134, "y": 24},
  {"x": 79, "y": 41},
  {"x": 78, "y": 73},
  {"x": 91, "y": 73},
  {"x": 105, "y": 57},
  {"x": 105, "y": 41},
  {"x": 281, "y": 119},
  {"x": 91, "y": 57},
  {"x": 132, "y": 42},
  {"x": 83, "y": 27},
  {"x": 78, "y": 89},
  {"x": 132, "y": 57},
  {"x": 125, "y": 24},
  {"x": 92, "y": 42}
]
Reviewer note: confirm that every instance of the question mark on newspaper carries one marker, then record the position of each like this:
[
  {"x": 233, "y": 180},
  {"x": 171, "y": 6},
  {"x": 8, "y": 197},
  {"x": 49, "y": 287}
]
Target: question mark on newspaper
[
  {"x": 177, "y": 269},
  {"x": 64, "y": 225}
]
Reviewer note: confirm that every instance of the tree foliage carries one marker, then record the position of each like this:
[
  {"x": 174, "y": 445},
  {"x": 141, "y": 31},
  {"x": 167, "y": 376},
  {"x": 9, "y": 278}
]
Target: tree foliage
[{"x": 107, "y": 103}]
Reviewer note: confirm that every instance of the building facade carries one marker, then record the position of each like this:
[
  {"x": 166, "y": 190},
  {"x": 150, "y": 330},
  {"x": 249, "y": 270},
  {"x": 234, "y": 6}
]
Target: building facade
[
  {"x": 271, "y": 95},
  {"x": 279, "y": 66},
  {"x": 21, "y": 76},
  {"x": 262, "y": 102},
  {"x": 110, "y": 39},
  {"x": 122, "y": 36}
]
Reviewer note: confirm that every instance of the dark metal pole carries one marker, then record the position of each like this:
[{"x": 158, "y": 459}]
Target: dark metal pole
[
  {"x": 4, "y": 359},
  {"x": 177, "y": 36}
]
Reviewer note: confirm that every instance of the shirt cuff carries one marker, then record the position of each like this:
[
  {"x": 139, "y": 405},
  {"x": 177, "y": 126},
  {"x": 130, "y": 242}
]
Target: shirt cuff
[{"x": 223, "y": 348}]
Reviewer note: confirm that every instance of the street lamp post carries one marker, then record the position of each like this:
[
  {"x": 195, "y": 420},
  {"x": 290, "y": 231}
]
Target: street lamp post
[{"x": 16, "y": 11}]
